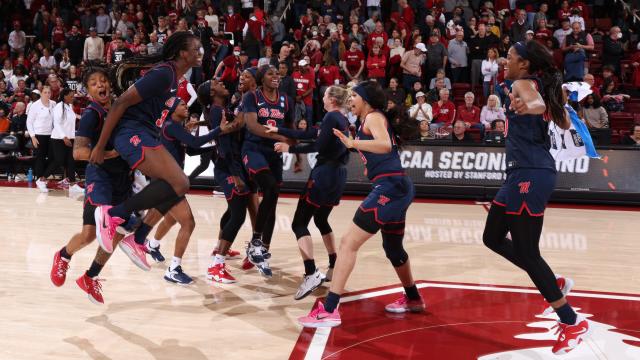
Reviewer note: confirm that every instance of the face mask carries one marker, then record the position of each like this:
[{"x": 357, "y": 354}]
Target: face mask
[
  {"x": 236, "y": 53},
  {"x": 315, "y": 33},
  {"x": 230, "y": 11}
]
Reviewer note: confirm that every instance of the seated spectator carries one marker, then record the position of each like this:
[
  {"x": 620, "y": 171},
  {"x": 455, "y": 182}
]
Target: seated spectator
[
  {"x": 563, "y": 32},
  {"x": 411, "y": 99},
  {"x": 543, "y": 33},
  {"x": 459, "y": 133},
  {"x": 496, "y": 135},
  {"x": 612, "y": 99},
  {"x": 594, "y": 114},
  {"x": 576, "y": 18},
  {"x": 633, "y": 139},
  {"x": 444, "y": 111},
  {"x": 529, "y": 35},
  {"x": 395, "y": 93},
  {"x": 470, "y": 113},
  {"x": 425, "y": 134},
  {"x": 5, "y": 124},
  {"x": 421, "y": 110},
  {"x": 434, "y": 94},
  {"x": 575, "y": 48},
  {"x": 440, "y": 74},
  {"x": 504, "y": 46},
  {"x": 19, "y": 120},
  {"x": 591, "y": 80},
  {"x": 491, "y": 112}
]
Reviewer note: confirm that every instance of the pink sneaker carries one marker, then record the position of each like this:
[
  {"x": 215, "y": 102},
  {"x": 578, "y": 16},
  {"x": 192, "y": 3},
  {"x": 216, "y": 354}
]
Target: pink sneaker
[
  {"x": 106, "y": 227},
  {"x": 319, "y": 317},
  {"x": 403, "y": 305},
  {"x": 136, "y": 253}
]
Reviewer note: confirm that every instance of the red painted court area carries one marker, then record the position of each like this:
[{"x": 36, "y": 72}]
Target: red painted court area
[{"x": 472, "y": 322}]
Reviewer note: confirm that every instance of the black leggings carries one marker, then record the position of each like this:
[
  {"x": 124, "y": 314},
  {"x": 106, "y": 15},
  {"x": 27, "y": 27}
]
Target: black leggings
[
  {"x": 42, "y": 152},
  {"x": 234, "y": 217},
  {"x": 523, "y": 251},
  {"x": 266, "y": 217},
  {"x": 62, "y": 157},
  {"x": 303, "y": 215},
  {"x": 205, "y": 160}
]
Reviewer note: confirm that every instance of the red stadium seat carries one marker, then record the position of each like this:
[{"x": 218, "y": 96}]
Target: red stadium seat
[
  {"x": 604, "y": 24},
  {"x": 621, "y": 120}
]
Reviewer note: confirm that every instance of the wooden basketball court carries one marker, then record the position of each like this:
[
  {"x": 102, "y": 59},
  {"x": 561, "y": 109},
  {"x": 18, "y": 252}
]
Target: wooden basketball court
[{"x": 144, "y": 317}]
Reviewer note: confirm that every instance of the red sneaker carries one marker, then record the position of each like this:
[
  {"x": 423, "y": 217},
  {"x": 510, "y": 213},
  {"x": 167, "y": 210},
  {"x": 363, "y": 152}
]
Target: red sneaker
[
  {"x": 59, "y": 269},
  {"x": 565, "y": 284},
  {"x": 92, "y": 287},
  {"x": 231, "y": 254},
  {"x": 246, "y": 264},
  {"x": 403, "y": 305},
  {"x": 219, "y": 273},
  {"x": 570, "y": 336}
]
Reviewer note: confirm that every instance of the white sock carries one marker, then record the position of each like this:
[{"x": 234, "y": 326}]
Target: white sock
[
  {"x": 175, "y": 262},
  {"x": 218, "y": 259},
  {"x": 154, "y": 243}
]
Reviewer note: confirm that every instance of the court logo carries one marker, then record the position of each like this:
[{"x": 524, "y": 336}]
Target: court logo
[{"x": 135, "y": 140}]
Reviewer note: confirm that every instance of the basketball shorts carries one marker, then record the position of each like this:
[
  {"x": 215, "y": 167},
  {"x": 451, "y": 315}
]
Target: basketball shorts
[
  {"x": 257, "y": 158},
  {"x": 325, "y": 185},
  {"x": 131, "y": 144},
  {"x": 104, "y": 187},
  {"x": 526, "y": 191},
  {"x": 385, "y": 208}
]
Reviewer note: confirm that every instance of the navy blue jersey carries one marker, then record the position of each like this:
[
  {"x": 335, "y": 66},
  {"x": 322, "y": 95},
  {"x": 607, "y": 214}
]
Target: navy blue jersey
[
  {"x": 158, "y": 89},
  {"x": 90, "y": 126},
  {"x": 380, "y": 164},
  {"x": 175, "y": 138},
  {"x": 328, "y": 146},
  {"x": 527, "y": 139},
  {"x": 276, "y": 113},
  {"x": 229, "y": 146}
]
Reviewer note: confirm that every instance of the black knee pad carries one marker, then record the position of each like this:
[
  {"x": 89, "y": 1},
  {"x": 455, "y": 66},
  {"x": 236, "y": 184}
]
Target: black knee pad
[
  {"x": 392, "y": 244},
  {"x": 322, "y": 224},
  {"x": 300, "y": 230}
]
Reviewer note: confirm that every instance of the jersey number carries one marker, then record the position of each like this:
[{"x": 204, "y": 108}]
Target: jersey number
[{"x": 162, "y": 118}]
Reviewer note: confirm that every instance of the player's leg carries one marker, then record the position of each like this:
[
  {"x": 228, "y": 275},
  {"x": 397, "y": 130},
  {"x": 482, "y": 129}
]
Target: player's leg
[
  {"x": 237, "y": 210},
  {"x": 183, "y": 215},
  {"x": 312, "y": 277}
]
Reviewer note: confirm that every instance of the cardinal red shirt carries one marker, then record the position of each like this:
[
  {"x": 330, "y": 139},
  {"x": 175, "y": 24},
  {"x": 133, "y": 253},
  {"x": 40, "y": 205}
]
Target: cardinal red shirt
[
  {"x": 472, "y": 116},
  {"x": 304, "y": 82},
  {"x": 542, "y": 35},
  {"x": 353, "y": 59},
  {"x": 373, "y": 36},
  {"x": 443, "y": 113},
  {"x": 376, "y": 66},
  {"x": 327, "y": 75},
  {"x": 57, "y": 35},
  {"x": 231, "y": 66}
]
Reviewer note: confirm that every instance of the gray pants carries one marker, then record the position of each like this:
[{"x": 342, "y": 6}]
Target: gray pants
[{"x": 476, "y": 72}]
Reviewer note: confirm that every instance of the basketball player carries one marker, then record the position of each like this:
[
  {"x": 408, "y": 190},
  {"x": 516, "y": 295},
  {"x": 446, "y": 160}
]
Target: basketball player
[
  {"x": 324, "y": 187},
  {"x": 383, "y": 209},
  {"x": 519, "y": 205},
  {"x": 109, "y": 183},
  {"x": 265, "y": 106},
  {"x": 135, "y": 120}
]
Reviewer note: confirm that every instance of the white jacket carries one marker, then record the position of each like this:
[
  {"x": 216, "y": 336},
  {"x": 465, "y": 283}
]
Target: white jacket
[
  {"x": 40, "y": 118},
  {"x": 63, "y": 126}
]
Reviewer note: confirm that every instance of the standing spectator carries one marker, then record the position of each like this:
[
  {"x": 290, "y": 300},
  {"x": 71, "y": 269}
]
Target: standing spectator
[
  {"x": 121, "y": 52},
  {"x": 40, "y": 125},
  {"x": 489, "y": 70},
  {"x": 576, "y": 46},
  {"x": 395, "y": 57},
  {"x": 395, "y": 93},
  {"x": 234, "y": 23},
  {"x": 230, "y": 67},
  {"x": 57, "y": 33},
  {"x": 421, "y": 110},
  {"x": 328, "y": 74},
  {"x": 305, "y": 81},
  {"x": 377, "y": 33},
  {"x": 284, "y": 55},
  {"x": 404, "y": 19},
  {"x": 353, "y": 62},
  {"x": 459, "y": 133},
  {"x": 478, "y": 47},
  {"x": 444, "y": 111},
  {"x": 437, "y": 55},
  {"x": 411, "y": 65},
  {"x": 491, "y": 112},
  {"x": 212, "y": 19},
  {"x": 93, "y": 47},
  {"x": 594, "y": 114},
  {"x": 504, "y": 46},
  {"x": 612, "y": 51},
  {"x": 278, "y": 31},
  {"x": 520, "y": 27},
  {"x": 103, "y": 21},
  {"x": 376, "y": 63},
  {"x": 62, "y": 135},
  {"x": 7, "y": 69},
  {"x": 576, "y": 18},
  {"x": 287, "y": 85},
  {"x": 564, "y": 31},
  {"x": 458, "y": 51},
  {"x": 72, "y": 80},
  {"x": 5, "y": 123},
  {"x": 75, "y": 42},
  {"x": 17, "y": 40},
  {"x": 470, "y": 113},
  {"x": 564, "y": 12},
  {"x": 163, "y": 31},
  {"x": 47, "y": 61},
  {"x": 88, "y": 19}
]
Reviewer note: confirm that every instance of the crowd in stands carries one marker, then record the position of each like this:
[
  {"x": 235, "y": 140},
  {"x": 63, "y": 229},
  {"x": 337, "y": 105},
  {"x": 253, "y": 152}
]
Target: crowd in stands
[{"x": 439, "y": 60}]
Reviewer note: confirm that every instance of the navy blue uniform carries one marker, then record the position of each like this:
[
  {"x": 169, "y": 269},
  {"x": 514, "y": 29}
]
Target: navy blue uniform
[
  {"x": 328, "y": 178},
  {"x": 229, "y": 160},
  {"x": 531, "y": 170},
  {"x": 140, "y": 125},
  {"x": 392, "y": 190},
  {"x": 175, "y": 138},
  {"x": 110, "y": 182},
  {"x": 257, "y": 152}
]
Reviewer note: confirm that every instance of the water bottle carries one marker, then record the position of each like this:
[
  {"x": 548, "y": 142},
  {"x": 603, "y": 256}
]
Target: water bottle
[{"x": 30, "y": 175}]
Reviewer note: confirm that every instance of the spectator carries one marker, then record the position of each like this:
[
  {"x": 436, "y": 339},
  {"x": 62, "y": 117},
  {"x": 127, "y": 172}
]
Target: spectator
[
  {"x": 444, "y": 111},
  {"x": 612, "y": 99},
  {"x": 287, "y": 85},
  {"x": 458, "y": 51},
  {"x": 479, "y": 45},
  {"x": 576, "y": 18},
  {"x": 47, "y": 61},
  {"x": 412, "y": 66},
  {"x": 421, "y": 110},
  {"x": 7, "y": 69},
  {"x": 334, "y": 45},
  {"x": 543, "y": 33},
  {"x": 356, "y": 34},
  {"x": 19, "y": 121},
  {"x": 231, "y": 72},
  {"x": 565, "y": 11},
  {"x": 378, "y": 33},
  {"x": 267, "y": 54},
  {"x": 496, "y": 135},
  {"x": 564, "y": 31},
  {"x": 440, "y": 75},
  {"x": 459, "y": 133},
  {"x": 395, "y": 58},
  {"x": 328, "y": 74},
  {"x": 395, "y": 93},
  {"x": 88, "y": 19},
  {"x": 163, "y": 30},
  {"x": 5, "y": 124},
  {"x": 633, "y": 139},
  {"x": 489, "y": 70},
  {"x": 64, "y": 129},
  {"x": 40, "y": 125},
  {"x": 17, "y": 40},
  {"x": 520, "y": 27},
  {"x": 576, "y": 46},
  {"x": 18, "y": 75},
  {"x": 492, "y": 27},
  {"x": 353, "y": 62},
  {"x": 153, "y": 47},
  {"x": 612, "y": 50},
  {"x": 411, "y": 99},
  {"x": 594, "y": 114},
  {"x": 590, "y": 79},
  {"x": 103, "y": 21},
  {"x": 75, "y": 42},
  {"x": 434, "y": 94},
  {"x": 425, "y": 133},
  {"x": 491, "y": 112},
  {"x": 376, "y": 64},
  {"x": 305, "y": 81},
  {"x": 73, "y": 81},
  {"x": 436, "y": 55},
  {"x": 542, "y": 13},
  {"x": 121, "y": 52},
  {"x": 504, "y": 46},
  {"x": 469, "y": 113},
  {"x": 635, "y": 63},
  {"x": 93, "y": 47}
]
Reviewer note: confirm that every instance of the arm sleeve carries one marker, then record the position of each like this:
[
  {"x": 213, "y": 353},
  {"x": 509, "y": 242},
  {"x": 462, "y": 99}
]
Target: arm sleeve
[
  {"x": 309, "y": 133},
  {"x": 178, "y": 132},
  {"x": 155, "y": 83},
  {"x": 304, "y": 148}
]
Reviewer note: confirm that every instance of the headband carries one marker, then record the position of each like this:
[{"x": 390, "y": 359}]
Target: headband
[
  {"x": 253, "y": 71},
  {"x": 360, "y": 90},
  {"x": 521, "y": 49}
]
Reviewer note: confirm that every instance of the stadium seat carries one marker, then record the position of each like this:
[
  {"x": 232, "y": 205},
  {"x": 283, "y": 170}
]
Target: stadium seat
[
  {"x": 621, "y": 120},
  {"x": 604, "y": 24}
]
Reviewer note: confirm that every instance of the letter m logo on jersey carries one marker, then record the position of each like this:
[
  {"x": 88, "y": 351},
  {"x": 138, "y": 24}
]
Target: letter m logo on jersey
[
  {"x": 262, "y": 112},
  {"x": 383, "y": 200},
  {"x": 524, "y": 187},
  {"x": 135, "y": 140}
]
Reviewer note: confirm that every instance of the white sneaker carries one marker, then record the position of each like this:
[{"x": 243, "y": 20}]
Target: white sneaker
[
  {"x": 76, "y": 188},
  {"x": 309, "y": 283},
  {"x": 42, "y": 186}
]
